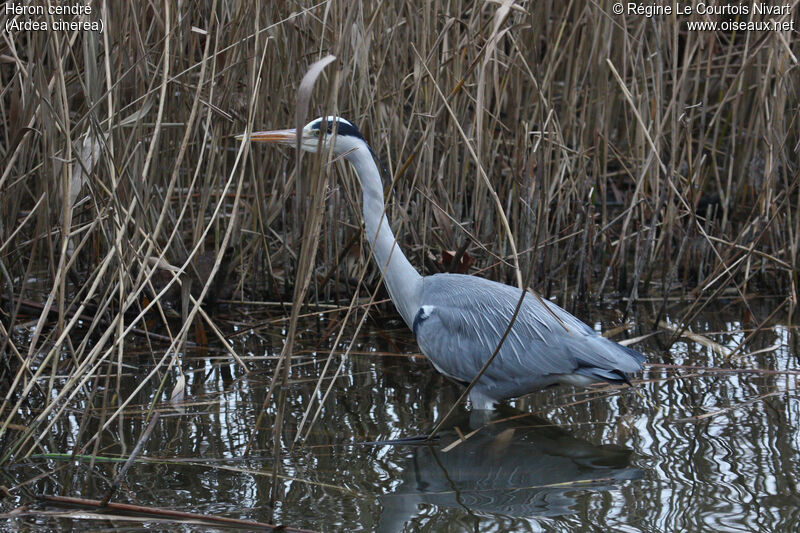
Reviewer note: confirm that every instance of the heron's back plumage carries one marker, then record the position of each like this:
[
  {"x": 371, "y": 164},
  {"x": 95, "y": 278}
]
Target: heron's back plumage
[{"x": 462, "y": 319}]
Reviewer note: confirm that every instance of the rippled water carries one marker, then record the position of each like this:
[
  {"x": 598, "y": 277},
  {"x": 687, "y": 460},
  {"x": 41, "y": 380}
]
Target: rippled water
[{"x": 700, "y": 449}]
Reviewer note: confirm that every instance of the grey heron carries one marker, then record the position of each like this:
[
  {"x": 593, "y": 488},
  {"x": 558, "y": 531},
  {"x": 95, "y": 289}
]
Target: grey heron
[{"x": 458, "y": 320}]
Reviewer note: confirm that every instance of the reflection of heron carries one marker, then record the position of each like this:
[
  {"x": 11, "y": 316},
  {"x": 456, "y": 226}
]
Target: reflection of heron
[
  {"x": 458, "y": 320},
  {"x": 519, "y": 468}
]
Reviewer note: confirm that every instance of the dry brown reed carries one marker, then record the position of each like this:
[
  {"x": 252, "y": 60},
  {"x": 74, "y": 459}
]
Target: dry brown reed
[{"x": 612, "y": 156}]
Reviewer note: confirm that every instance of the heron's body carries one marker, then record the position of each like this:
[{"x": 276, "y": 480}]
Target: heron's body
[
  {"x": 467, "y": 315},
  {"x": 459, "y": 320}
]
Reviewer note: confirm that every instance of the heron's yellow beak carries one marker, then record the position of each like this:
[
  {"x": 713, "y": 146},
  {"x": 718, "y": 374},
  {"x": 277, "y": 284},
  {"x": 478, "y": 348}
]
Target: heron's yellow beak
[{"x": 277, "y": 136}]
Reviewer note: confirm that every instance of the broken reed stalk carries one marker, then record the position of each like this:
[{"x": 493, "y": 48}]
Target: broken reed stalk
[
  {"x": 156, "y": 512},
  {"x": 305, "y": 270}
]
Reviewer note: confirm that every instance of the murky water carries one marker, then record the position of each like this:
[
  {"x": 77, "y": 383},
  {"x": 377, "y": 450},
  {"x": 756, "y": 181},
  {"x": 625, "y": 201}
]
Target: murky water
[{"x": 698, "y": 450}]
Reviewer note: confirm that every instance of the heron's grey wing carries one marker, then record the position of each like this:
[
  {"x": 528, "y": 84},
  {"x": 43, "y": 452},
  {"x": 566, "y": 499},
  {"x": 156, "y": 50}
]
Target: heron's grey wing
[{"x": 463, "y": 318}]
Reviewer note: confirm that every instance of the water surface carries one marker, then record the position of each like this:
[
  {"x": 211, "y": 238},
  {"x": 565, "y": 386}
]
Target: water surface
[{"x": 713, "y": 448}]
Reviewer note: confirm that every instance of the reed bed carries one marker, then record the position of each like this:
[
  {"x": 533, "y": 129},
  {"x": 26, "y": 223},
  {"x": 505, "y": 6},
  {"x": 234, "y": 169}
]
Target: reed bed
[{"x": 631, "y": 158}]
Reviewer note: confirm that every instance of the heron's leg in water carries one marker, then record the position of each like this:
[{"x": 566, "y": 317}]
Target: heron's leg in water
[
  {"x": 480, "y": 401},
  {"x": 480, "y": 417}
]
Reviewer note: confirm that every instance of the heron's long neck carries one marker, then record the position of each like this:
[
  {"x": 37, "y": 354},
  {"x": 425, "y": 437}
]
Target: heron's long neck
[{"x": 401, "y": 279}]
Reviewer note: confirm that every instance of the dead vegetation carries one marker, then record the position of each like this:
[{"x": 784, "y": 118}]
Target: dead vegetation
[{"x": 631, "y": 158}]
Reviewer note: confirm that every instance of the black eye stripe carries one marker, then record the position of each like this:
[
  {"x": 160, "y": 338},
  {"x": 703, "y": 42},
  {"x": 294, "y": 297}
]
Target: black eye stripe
[
  {"x": 346, "y": 129},
  {"x": 342, "y": 128}
]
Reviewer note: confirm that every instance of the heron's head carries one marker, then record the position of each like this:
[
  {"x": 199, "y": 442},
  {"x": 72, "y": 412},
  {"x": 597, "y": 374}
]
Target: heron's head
[{"x": 319, "y": 134}]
